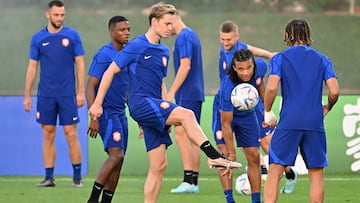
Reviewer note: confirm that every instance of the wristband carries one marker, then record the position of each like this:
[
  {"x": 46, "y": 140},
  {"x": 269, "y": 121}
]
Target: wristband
[{"x": 269, "y": 116}]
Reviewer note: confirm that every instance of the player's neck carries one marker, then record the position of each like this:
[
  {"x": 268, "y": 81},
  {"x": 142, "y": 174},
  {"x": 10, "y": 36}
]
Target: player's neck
[
  {"x": 117, "y": 46},
  {"x": 52, "y": 29},
  {"x": 152, "y": 37}
]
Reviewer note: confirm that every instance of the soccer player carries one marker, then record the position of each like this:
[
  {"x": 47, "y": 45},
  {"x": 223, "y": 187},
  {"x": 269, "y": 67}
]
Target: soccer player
[
  {"x": 265, "y": 137},
  {"x": 301, "y": 70},
  {"x": 112, "y": 125},
  {"x": 243, "y": 124},
  {"x": 188, "y": 90},
  {"x": 57, "y": 48},
  {"x": 229, "y": 39},
  {"x": 146, "y": 60}
]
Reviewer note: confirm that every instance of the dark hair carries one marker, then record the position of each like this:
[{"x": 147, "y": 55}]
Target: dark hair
[
  {"x": 297, "y": 30},
  {"x": 240, "y": 56},
  {"x": 55, "y": 3},
  {"x": 116, "y": 19}
]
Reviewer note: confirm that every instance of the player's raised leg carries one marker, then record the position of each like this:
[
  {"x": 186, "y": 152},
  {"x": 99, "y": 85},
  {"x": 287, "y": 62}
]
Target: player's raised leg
[{"x": 186, "y": 118}]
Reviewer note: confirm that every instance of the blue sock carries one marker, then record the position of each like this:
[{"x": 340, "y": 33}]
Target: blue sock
[
  {"x": 229, "y": 196},
  {"x": 77, "y": 171},
  {"x": 255, "y": 197},
  {"x": 49, "y": 173}
]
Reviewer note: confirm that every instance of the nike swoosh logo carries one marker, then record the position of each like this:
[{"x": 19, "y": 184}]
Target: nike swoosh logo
[
  {"x": 45, "y": 44},
  {"x": 147, "y": 57},
  {"x": 75, "y": 118}
]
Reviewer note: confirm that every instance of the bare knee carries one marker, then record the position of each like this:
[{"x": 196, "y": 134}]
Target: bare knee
[{"x": 116, "y": 156}]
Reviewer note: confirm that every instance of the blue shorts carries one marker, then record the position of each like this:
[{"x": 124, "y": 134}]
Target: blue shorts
[
  {"x": 246, "y": 129},
  {"x": 114, "y": 130},
  {"x": 195, "y": 106},
  {"x": 48, "y": 109},
  {"x": 285, "y": 144},
  {"x": 151, "y": 114}
]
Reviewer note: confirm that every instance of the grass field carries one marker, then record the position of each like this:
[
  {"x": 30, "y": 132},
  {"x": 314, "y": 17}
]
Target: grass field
[{"x": 339, "y": 188}]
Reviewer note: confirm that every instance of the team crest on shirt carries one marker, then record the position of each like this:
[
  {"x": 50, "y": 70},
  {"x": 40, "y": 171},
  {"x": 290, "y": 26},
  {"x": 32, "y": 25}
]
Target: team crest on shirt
[
  {"x": 116, "y": 136},
  {"x": 164, "y": 61},
  {"x": 224, "y": 65},
  {"x": 258, "y": 81},
  {"x": 219, "y": 135},
  {"x": 165, "y": 105},
  {"x": 65, "y": 42}
]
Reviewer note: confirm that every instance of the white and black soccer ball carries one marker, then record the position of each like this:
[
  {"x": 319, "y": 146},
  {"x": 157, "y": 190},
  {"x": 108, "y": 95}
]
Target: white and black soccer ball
[
  {"x": 242, "y": 185},
  {"x": 244, "y": 97}
]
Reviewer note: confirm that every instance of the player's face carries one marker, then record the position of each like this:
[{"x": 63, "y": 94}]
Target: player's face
[
  {"x": 121, "y": 32},
  {"x": 244, "y": 69},
  {"x": 228, "y": 39},
  {"x": 56, "y": 16},
  {"x": 164, "y": 25}
]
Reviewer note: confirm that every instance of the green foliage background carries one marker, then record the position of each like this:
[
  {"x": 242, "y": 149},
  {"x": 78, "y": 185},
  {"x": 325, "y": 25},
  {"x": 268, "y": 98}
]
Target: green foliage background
[{"x": 334, "y": 33}]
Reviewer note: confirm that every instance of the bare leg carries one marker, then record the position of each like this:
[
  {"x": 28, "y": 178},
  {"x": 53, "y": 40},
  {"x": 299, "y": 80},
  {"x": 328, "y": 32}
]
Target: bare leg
[
  {"x": 157, "y": 158},
  {"x": 49, "y": 149},
  {"x": 271, "y": 190},
  {"x": 190, "y": 153},
  {"x": 186, "y": 118},
  {"x": 253, "y": 160},
  {"x": 73, "y": 142},
  {"x": 185, "y": 147},
  {"x": 110, "y": 171},
  {"x": 316, "y": 176},
  {"x": 225, "y": 181}
]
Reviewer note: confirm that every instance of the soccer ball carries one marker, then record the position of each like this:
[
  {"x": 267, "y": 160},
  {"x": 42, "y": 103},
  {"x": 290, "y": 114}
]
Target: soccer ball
[
  {"x": 242, "y": 185},
  {"x": 244, "y": 97}
]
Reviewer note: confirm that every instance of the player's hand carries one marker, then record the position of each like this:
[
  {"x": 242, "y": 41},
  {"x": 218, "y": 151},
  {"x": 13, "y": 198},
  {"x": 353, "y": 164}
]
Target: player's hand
[
  {"x": 269, "y": 119},
  {"x": 232, "y": 156},
  {"x": 325, "y": 109},
  {"x": 226, "y": 172},
  {"x": 93, "y": 128},
  {"x": 141, "y": 133},
  {"x": 95, "y": 111},
  {"x": 80, "y": 100},
  {"x": 27, "y": 104}
]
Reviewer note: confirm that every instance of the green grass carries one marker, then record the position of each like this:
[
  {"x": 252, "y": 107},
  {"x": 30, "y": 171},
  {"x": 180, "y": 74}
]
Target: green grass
[{"x": 339, "y": 188}]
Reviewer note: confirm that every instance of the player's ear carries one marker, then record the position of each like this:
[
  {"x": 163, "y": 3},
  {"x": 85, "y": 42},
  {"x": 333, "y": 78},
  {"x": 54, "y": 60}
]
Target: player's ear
[
  {"x": 47, "y": 14},
  {"x": 237, "y": 36}
]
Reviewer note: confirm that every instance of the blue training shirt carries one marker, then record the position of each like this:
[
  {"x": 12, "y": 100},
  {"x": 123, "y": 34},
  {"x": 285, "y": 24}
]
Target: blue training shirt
[
  {"x": 147, "y": 65},
  {"x": 56, "y": 53},
  {"x": 226, "y": 57},
  {"x": 302, "y": 71},
  {"x": 187, "y": 45},
  {"x": 115, "y": 97}
]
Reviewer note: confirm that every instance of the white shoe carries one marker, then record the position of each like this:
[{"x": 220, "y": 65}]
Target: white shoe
[
  {"x": 290, "y": 184},
  {"x": 184, "y": 187}
]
